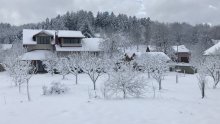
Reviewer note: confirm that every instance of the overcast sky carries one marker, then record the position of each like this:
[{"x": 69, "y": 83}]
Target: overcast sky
[{"x": 192, "y": 11}]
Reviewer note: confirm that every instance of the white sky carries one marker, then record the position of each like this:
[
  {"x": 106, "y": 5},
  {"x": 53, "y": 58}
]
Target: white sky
[{"x": 191, "y": 11}]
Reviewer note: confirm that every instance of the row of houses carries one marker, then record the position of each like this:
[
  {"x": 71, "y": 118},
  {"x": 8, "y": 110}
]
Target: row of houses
[
  {"x": 40, "y": 44},
  {"x": 181, "y": 53}
]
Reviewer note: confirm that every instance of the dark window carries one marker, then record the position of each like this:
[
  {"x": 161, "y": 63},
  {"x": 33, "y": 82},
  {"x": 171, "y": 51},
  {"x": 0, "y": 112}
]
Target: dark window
[
  {"x": 71, "y": 41},
  {"x": 43, "y": 40},
  {"x": 185, "y": 59}
]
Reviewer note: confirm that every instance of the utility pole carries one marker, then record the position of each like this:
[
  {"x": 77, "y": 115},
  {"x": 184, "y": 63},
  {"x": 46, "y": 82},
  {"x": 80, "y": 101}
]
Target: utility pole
[{"x": 177, "y": 69}]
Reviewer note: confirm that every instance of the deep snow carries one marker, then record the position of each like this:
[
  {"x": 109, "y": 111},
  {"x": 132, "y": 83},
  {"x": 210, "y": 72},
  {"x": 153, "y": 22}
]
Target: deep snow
[{"x": 176, "y": 104}]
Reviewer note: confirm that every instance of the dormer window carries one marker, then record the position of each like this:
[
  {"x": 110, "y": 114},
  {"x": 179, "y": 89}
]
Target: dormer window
[
  {"x": 43, "y": 37},
  {"x": 43, "y": 40}
]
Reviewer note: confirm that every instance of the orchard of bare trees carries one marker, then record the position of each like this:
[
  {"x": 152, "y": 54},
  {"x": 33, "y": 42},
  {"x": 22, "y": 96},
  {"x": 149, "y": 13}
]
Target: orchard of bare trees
[{"x": 119, "y": 32}]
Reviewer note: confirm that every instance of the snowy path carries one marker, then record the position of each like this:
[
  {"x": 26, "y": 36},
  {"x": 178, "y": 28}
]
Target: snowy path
[{"x": 176, "y": 104}]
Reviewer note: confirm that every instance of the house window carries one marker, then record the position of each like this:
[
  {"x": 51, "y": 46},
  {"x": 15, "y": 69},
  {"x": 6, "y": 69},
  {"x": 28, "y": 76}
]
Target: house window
[
  {"x": 43, "y": 40},
  {"x": 71, "y": 41}
]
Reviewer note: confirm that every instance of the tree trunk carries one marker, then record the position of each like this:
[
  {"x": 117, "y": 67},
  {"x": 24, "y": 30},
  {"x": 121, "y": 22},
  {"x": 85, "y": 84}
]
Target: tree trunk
[
  {"x": 63, "y": 77},
  {"x": 148, "y": 74},
  {"x": 76, "y": 79},
  {"x": 215, "y": 85},
  {"x": 124, "y": 94},
  {"x": 28, "y": 93},
  {"x": 94, "y": 85},
  {"x": 19, "y": 87},
  {"x": 177, "y": 78},
  {"x": 160, "y": 85},
  {"x": 203, "y": 89}
]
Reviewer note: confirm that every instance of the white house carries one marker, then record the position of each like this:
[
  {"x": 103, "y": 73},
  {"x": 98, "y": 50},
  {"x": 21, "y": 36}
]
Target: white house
[
  {"x": 182, "y": 53},
  {"x": 41, "y": 43}
]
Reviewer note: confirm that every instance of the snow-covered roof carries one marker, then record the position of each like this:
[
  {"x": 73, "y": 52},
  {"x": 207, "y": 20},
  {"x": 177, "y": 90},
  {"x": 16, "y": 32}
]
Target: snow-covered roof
[
  {"x": 5, "y": 46},
  {"x": 181, "y": 49},
  {"x": 29, "y": 33},
  {"x": 141, "y": 49},
  {"x": 88, "y": 44},
  {"x": 156, "y": 55},
  {"x": 215, "y": 41},
  {"x": 152, "y": 48},
  {"x": 65, "y": 33},
  {"x": 36, "y": 55},
  {"x": 213, "y": 50},
  {"x": 45, "y": 32}
]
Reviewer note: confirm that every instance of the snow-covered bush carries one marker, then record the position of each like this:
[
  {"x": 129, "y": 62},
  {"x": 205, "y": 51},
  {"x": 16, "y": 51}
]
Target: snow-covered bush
[{"x": 55, "y": 88}]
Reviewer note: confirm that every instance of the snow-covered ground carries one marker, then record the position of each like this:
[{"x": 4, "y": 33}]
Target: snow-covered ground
[{"x": 176, "y": 104}]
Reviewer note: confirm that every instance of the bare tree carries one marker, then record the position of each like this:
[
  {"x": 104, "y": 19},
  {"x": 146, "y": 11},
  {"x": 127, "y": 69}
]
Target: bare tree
[
  {"x": 200, "y": 66},
  {"x": 50, "y": 63},
  {"x": 17, "y": 74},
  {"x": 158, "y": 68},
  {"x": 73, "y": 64},
  {"x": 25, "y": 70},
  {"x": 125, "y": 81},
  {"x": 93, "y": 66},
  {"x": 114, "y": 42},
  {"x": 145, "y": 63},
  {"x": 202, "y": 73},
  {"x": 62, "y": 67},
  {"x": 11, "y": 60},
  {"x": 212, "y": 65}
]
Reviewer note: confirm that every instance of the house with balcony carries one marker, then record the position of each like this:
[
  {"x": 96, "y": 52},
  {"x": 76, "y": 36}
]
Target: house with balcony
[{"x": 40, "y": 44}]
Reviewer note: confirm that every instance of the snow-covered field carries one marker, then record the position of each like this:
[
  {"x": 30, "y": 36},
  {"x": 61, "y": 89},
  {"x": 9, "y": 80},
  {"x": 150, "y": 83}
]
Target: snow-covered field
[{"x": 176, "y": 104}]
